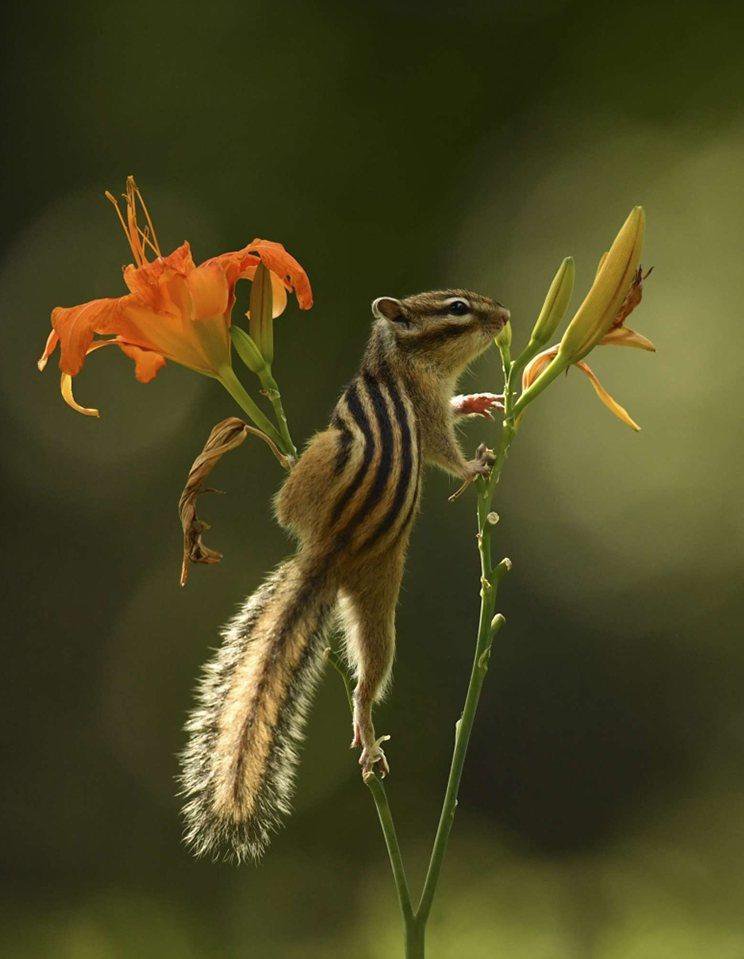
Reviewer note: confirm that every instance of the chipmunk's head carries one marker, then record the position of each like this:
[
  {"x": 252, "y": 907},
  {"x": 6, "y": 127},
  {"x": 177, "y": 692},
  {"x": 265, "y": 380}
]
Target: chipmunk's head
[{"x": 447, "y": 328}]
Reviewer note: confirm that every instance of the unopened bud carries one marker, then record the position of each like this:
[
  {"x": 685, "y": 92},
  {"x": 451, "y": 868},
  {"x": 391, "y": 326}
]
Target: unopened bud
[
  {"x": 556, "y": 303},
  {"x": 492, "y": 518},
  {"x": 260, "y": 313},
  {"x": 504, "y": 337},
  {"x": 247, "y": 349}
]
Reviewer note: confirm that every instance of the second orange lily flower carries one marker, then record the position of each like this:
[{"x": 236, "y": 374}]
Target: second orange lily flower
[
  {"x": 600, "y": 320},
  {"x": 619, "y": 335}
]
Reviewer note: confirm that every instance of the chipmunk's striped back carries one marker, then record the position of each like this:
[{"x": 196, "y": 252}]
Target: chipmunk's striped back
[{"x": 377, "y": 491}]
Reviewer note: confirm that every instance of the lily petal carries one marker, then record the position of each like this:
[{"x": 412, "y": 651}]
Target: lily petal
[
  {"x": 75, "y": 326},
  {"x": 146, "y": 280},
  {"x": 65, "y": 385},
  {"x": 278, "y": 295},
  {"x": 283, "y": 264},
  {"x": 49, "y": 348},
  {"x": 536, "y": 365},
  {"x": 612, "y": 405},
  {"x": 616, "y": 274},
  {"x": 147, "y": 363},
  {"x": 209, "y": 291},
  {"x": 624, "y": 336},
  {"x": 242, "y": 264}
]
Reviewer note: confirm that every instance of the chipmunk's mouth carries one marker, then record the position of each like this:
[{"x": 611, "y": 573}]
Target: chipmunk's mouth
[{"x": 499, "y": 318}]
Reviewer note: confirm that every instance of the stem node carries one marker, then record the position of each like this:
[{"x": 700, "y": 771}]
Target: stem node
[
  {"x": 504, "y": 566},
  {"x": 497, "y": 622}
]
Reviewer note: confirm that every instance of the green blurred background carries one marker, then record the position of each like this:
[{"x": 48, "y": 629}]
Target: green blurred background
[{"x": 393, "y": 147}]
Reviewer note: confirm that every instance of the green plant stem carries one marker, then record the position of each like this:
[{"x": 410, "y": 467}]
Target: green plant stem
[
  {"x": 553, "y": 370},
  {"x": 488, "y": 626},
  {"x": 379, "y": 797},
  {"x": 238, "y": 392},
  {"x": 528, "y": 353},
  {"x": 271, "y": 390}
]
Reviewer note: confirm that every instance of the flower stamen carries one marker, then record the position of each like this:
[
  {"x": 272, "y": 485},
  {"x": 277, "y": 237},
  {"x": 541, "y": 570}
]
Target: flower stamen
[{"x": 139, "y": 239}]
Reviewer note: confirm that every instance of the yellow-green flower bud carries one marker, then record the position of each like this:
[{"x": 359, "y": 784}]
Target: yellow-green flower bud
[
  {"x": 504, "y": 337},
  {"x": 247, "y": 349},
  {"x": 556, "y": 303},
  {"x": 260, "y": 318}
]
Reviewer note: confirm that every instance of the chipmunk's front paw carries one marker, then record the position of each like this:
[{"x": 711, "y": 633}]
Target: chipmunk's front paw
[
  {"x": 478, "y": 404},
  {"x": 373, "y": 760}
]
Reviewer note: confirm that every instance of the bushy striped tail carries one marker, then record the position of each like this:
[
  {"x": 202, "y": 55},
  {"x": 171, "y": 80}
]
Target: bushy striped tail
[{"x": 238, "y": 768}]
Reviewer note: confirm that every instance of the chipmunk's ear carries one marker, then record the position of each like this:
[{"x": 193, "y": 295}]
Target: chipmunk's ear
[{"x": 388, "y": 308}]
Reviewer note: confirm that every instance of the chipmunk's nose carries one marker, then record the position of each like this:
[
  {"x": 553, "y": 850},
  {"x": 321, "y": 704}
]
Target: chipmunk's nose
[{"x": 502, "y": 314}]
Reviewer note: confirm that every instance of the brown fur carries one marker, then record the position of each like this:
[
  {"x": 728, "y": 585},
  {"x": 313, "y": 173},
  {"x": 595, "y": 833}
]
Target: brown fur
[{"x": 350, "y": 502}]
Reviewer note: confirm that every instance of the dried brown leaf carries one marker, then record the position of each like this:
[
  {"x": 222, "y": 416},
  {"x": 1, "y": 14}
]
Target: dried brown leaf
[{"x": 226, "y": 436}]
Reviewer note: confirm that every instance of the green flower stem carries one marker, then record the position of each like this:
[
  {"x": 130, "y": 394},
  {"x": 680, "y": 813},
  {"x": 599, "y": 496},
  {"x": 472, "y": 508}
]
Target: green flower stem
[
  {"x": 528, "y": 353},
  {"x": 488, "y": 626},
  {"x": 236, "y": 389},
  {"x": 379, "y": 797},
  {"x": 271, "y": 390},
  {"x": 554, "y": 369}
]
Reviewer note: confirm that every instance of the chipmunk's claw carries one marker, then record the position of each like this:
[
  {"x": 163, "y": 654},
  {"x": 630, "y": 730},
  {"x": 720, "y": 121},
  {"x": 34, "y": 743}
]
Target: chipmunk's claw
[
  {"x": 373, "y": 760},
  {"x": 480, "y": 465},
  {"x": 484, "y": 460}
]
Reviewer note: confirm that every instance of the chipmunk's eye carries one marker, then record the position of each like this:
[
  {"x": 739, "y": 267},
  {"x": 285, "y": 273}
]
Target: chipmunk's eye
[{"x": 458, "y": 308}]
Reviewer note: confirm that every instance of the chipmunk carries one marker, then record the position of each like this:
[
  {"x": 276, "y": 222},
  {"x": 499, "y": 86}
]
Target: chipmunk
[{"x": 350, "y": 502}]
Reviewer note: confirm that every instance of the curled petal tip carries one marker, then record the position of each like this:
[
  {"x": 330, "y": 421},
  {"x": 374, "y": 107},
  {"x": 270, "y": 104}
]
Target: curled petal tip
[
  {"x": 49, "y": 347},
  {"x": 67, "y": 395}
]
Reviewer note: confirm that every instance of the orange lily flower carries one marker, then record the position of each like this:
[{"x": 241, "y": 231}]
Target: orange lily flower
[
  {"x": 175, "y": 310},
  {"x": 618, "y": 335}
]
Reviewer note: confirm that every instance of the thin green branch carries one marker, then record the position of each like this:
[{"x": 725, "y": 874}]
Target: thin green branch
[
  {"x": 270, "y": 388},
  {"x": 377, "y": 789},
  {"x": 488, "y": 626},
  {"x": 238, "y": 392},
  {"x": 379, "y": 796}
]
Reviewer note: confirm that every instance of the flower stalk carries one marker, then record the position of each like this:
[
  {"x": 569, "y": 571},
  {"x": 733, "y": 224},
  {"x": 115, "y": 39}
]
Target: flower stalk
[
  {"x": 235, "y": 388},
  {"x": 250, "y": 352}
]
